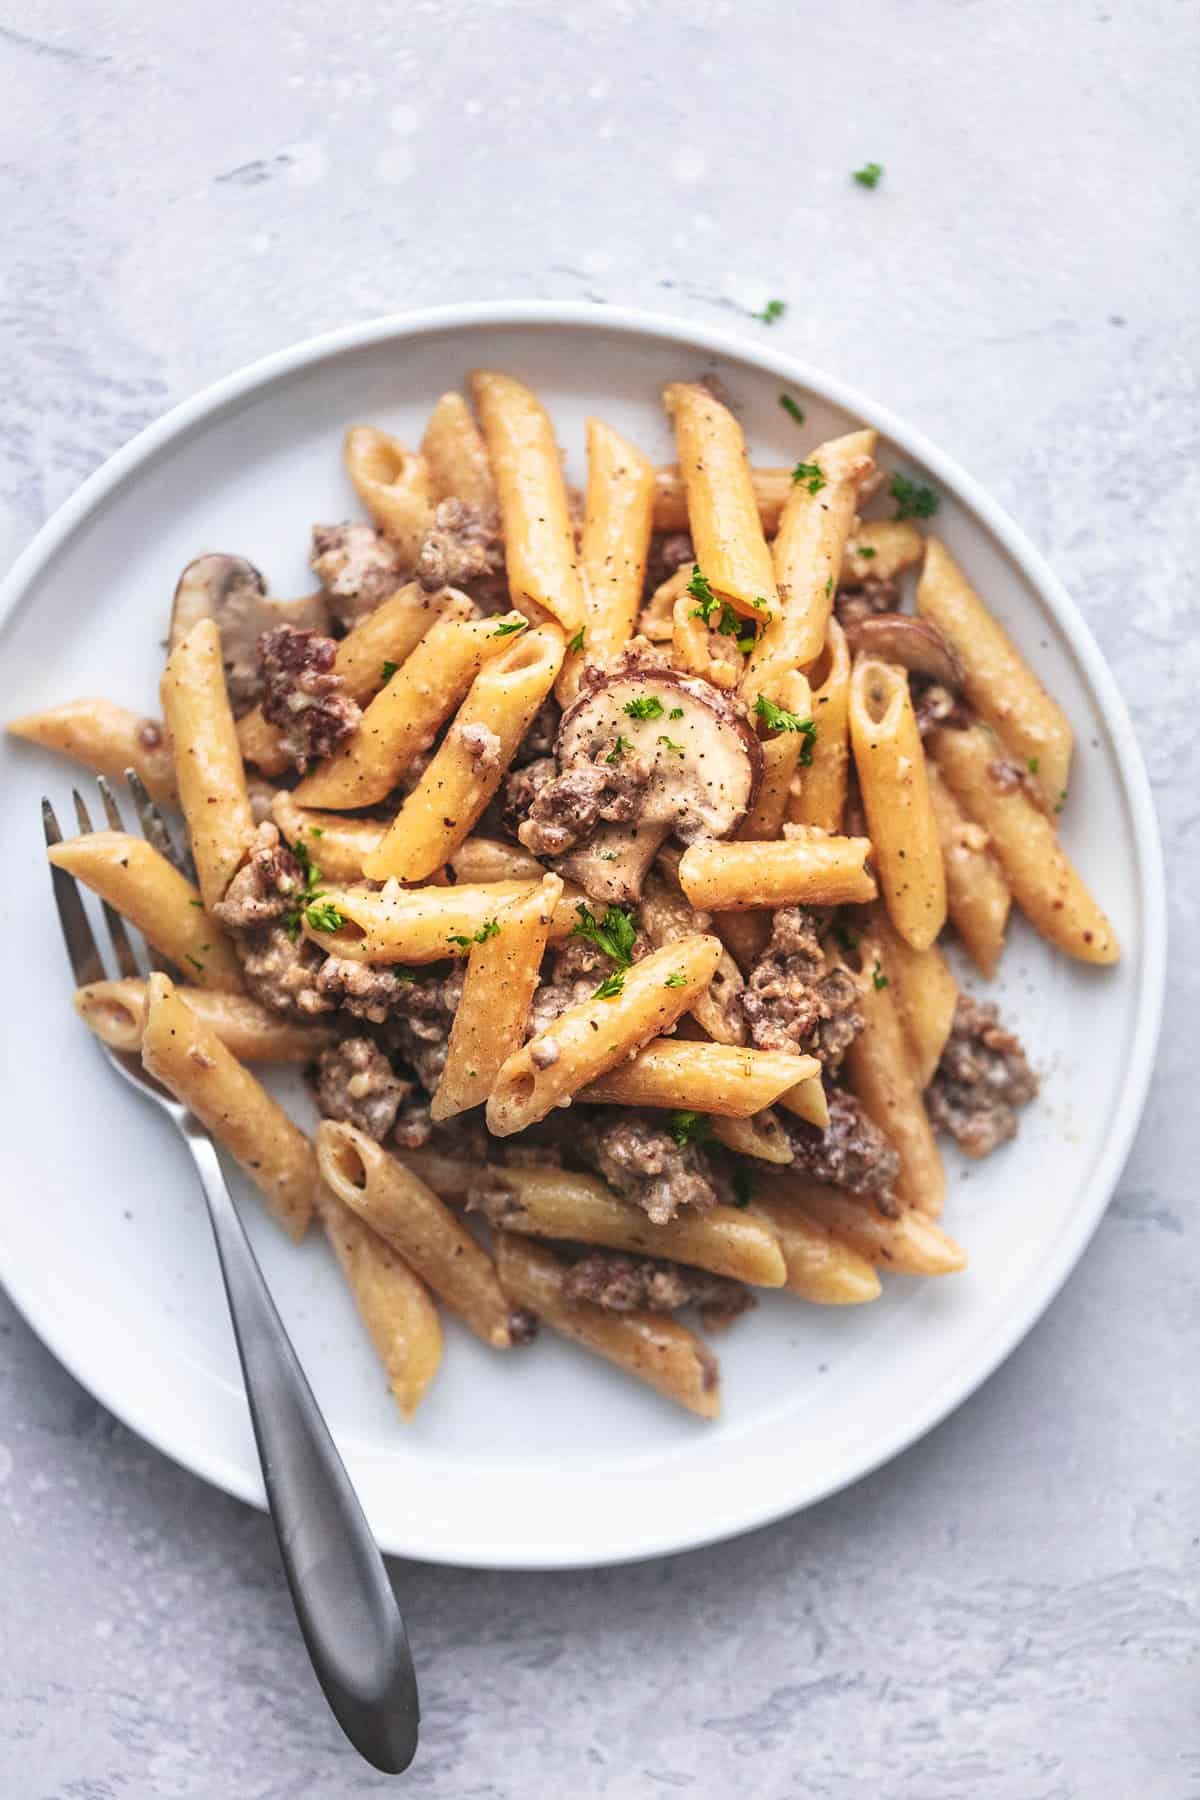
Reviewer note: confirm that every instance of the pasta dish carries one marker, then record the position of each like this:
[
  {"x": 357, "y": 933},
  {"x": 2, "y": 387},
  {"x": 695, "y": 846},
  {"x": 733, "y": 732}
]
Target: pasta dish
[{"x": 597, "y": 856}]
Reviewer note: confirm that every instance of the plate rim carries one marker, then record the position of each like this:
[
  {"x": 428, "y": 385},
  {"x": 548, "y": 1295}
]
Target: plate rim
[{"x": 1067, "y": 1249}]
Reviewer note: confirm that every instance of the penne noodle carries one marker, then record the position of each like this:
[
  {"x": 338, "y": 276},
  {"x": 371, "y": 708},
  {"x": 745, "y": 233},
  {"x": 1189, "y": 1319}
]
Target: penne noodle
[
  {"x": 722, "y": 509},
  {"x": 393, "y": 484},
  {"x": 162, "y": 904},
  {"x": 589, "y": 1039},
  {"x": 539, "y": 543},
  {"x": 821, "y": 1268},
  {"x": 491, "y": 859},
  {"x": 699, "y": 650},
  {"x": 502, "y": 972},
  {"x": 707, "y": 1078},
  {"x": 881, "y": 549},
  {"x": 417, "y": 925},
  {"x": 808, "y": 552},
  {"x": 880, "y": 1073},
  {"x": 337, "y": 844},
  {"x": 470, "y": 764},
  {"x": 116, "y": 1012},
  {"x": 546, "y": 1201},
  {"x": 781, "y": 754},
  {"x": 890, "y": 763},
  {"x": 771, "y": 489},
  {"x": 393, "y": 1303},
  {"x": 397, "y": 1205},
  {"x": 107, "y": 739},
  {"x": 665, "y": 916},
  {"x": 977, "y": 896},
  {"x": 1044, "y": 883},
  {"x": 192, "y": 1062},
  {"x": 901, "y": 1238},
  {"x": 924, "y": 993},
  {"x": 657, "y": 1350},
  {"x": 456, "y": 455},
  {"x": 806, "y": 868},
  {"x": 613, "y": 550},
  {"x": 406, "y": 714},
  {"x": 656, "y": 620},
  {"x": 818, "y": 796},
  {"x": 809, "y": 1101},
  {"x": 458, "y": 1178},
  {"x": 760, "y": 1136},
  {"x": 208, "y": 761},
  {"x": 744, "y": 935},
  {"x": 998, "y": 682}
]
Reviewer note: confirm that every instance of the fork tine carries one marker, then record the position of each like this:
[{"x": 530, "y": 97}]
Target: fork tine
[
  {"x": 123, "y": 950},
  {"x": 112, "y": 811},
  {"x": 155, "y": 829},
  {"x": 82, "y": 949}
]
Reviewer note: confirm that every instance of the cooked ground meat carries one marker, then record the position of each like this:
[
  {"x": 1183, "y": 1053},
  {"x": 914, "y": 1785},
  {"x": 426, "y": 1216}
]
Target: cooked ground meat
[
  {"x": 281, "y": 971},
  {"x": 569, "y": 807},
  {"x": 572, "y": 972},
  {"x": 981, "y": 1080},
  {"x": 356, "y": 1083},
  {"x": 361, "y": 989},
  {"x": 937, "y": 705},
  {"x": 645, "y": 1165},
  {"x": 482, "y": 745},
  {"x": 669, "y": 550},
  {"x": 302, "y": 696},
  {"x": 794, "y": 999},
  {"x": 522, "y": 1326},
  {"x": 852, "y": 1153},
  {"x": 874, "y": 596},
  {"x": 622, "y": 1282},
  {"x": 414, "y": 1125},
  {"x": 463, "y": 549},
  {"x": 419, "y": 1020},
  {"x": 522, "y": 788},
  {"x": 266, "y": 887},
  {"x": 357, "y": 566}
]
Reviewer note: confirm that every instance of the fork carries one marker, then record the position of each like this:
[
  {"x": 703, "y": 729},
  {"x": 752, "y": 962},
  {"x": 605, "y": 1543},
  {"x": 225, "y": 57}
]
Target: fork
[{"x": 344, "y": 1603}]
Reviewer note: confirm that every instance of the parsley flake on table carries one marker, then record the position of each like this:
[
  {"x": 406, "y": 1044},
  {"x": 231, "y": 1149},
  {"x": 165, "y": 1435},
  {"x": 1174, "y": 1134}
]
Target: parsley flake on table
[
  {"x": 615, "y": 933},
  {"x": 912, "y": 500},
  {"x": 809, "y": 475},
  {"x": 870, "y": 175},
  {"x": 792, "y": 408},
  {"x": 774, "y": 309}
]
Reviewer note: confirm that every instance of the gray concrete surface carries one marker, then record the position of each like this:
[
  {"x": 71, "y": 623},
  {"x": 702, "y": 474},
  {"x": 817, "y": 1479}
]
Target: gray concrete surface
[{"x": 1010, "y": 1611}]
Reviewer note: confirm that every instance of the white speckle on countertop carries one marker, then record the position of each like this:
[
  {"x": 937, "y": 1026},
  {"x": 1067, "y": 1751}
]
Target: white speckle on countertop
[
  {"x": 404, "y": 118},
  {"x": 688, "y": 164},
  {"x": 395, "y": 163},
  {"x": 308, "y": 164}
]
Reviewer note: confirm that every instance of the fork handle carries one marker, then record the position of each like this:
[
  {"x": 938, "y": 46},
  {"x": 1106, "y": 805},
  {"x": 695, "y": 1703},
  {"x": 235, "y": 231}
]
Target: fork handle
[{"x": 344, "y": 1602}]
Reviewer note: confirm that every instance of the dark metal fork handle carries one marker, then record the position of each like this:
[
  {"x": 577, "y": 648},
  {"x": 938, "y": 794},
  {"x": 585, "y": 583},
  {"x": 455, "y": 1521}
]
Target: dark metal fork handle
[{"x": 343, "y": 1598}]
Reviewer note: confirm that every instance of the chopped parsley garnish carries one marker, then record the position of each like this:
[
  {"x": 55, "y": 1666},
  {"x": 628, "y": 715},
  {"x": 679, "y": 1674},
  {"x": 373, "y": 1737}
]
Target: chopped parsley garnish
[
  {"x": 1033, "y": 765},
  {"x": 615, "y": 933},
  {"x": 489, "y": 929},
  {"x": 728, "y": 624},
  {"x": 676, "y": 712},
  {"x": 828, "y": 586},
  {"x": 676, "y": 979},
  {"x": 619, "y": 748},
  {"x": 912, "y": 500},
  {"x": 849, "y": 940},
  {"x": 778, "y": 718},
  {"x": 670, "y": 744},
  {"x": 196, "y": 963},
  {"x": 870, "y": 175},
  {"x": 774, "y": 309},
  {"x": 387, "y": 671},
  {"x": 507, "y": 627},
  {"x": 878, "y": 979},
  {"x": 690, "y": 1127},
  {"x": 576, "y": 642},
  {"x": 323, "y": 915},
  {"x": 742, "y": 1183},
  {"x": 611, "y": 986},
  {"x": 309, "y": 893},
  {"x": 699, "y": 589},
  {"x": 199, "y": 904},
  {"x": 812, "y": 475},
  {"x": 866, "y": 551},
  {"x": 646, "y": 706},
  {"x": 1061, "y": 801},
  {"x": 316, "y": 831},
  {"x": 760, "y": 601},
  {"x": 792, "y": 408}
]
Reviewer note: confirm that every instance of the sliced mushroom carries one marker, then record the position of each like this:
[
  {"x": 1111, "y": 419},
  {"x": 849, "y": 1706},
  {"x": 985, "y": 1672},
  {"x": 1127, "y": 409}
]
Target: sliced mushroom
[
  {"x": 230, "y": 591},
  {"x": 914, "y": 643},
  {"x": 699, "y": 765}
]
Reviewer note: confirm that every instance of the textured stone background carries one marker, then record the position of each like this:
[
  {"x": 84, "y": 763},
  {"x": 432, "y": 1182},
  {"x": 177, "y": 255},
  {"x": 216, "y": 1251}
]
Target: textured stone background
[{"x": 1009, "y": 1612}]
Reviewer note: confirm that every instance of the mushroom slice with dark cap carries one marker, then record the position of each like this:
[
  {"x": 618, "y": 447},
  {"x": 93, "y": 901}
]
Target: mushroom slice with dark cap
[
  {"x": 230, "y": 591},
  {"x": 643, "y": 752},
  {"x": 915, "y": 644}
]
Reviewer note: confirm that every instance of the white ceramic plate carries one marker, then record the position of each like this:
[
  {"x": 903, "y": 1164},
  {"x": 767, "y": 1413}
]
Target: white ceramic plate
[{"x": 546, "y": 1457}]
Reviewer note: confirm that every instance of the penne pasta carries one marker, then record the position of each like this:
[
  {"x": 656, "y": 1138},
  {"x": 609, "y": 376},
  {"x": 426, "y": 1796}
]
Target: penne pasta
[
  {"x": 880, "y": 1073},
  {"x": 108, "y": 739},
  {"x": 998, "y": 682},
  {"x": 807, "y": 868},
  {"x": 821, "y": 1268},
  {"x": 116, "y": 1012},
  {"x": 587, "y": 1040},
  {"x": 208, "y": 761},
  {"x": 707, "y": 1078},
  {"x": 899, "y": 1238},
  {"x": 403, "y": 719},
  {"x": 613, "y": 549},
  {"x": 890, "y": 763},
  {"x": 492, "y": 859},
  {"x": 1044, "y": 882},
  {"x": 771, "y": 489},
  {"x": 808, "y": 551},
  {"x": 818, "y": 796},
  {"x": 924, "y": 993},
  {"x": 502, "y": 972},
  {"x": 162, "y": 904},
  {"x": 393, "y": 484},
  {"x": 539, "y": 544},
  {"x": 722, "y": 509},
  {"x": 977, "y": 896},
  {"x": 456, "y": 455},
  {"x": 339, "y": 845},
  {"x": 657, "y": 1350},
  {"x": 782, "y": 754},
  {"x": 808, "y": 1101},
  {"x": 699, "y": 650},
  {"x": 881, "y": 549},
  {"x": 443, "y": 807},
  {"x": 417, "y": 925},
  {"x": 192, "y": 1062},
  {"x": 760, "y": 1136},
  {"x": 393, "y": 1303},
  {"x": 398, "y": 1206},
  {"x": 542, "y": 1200}
]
